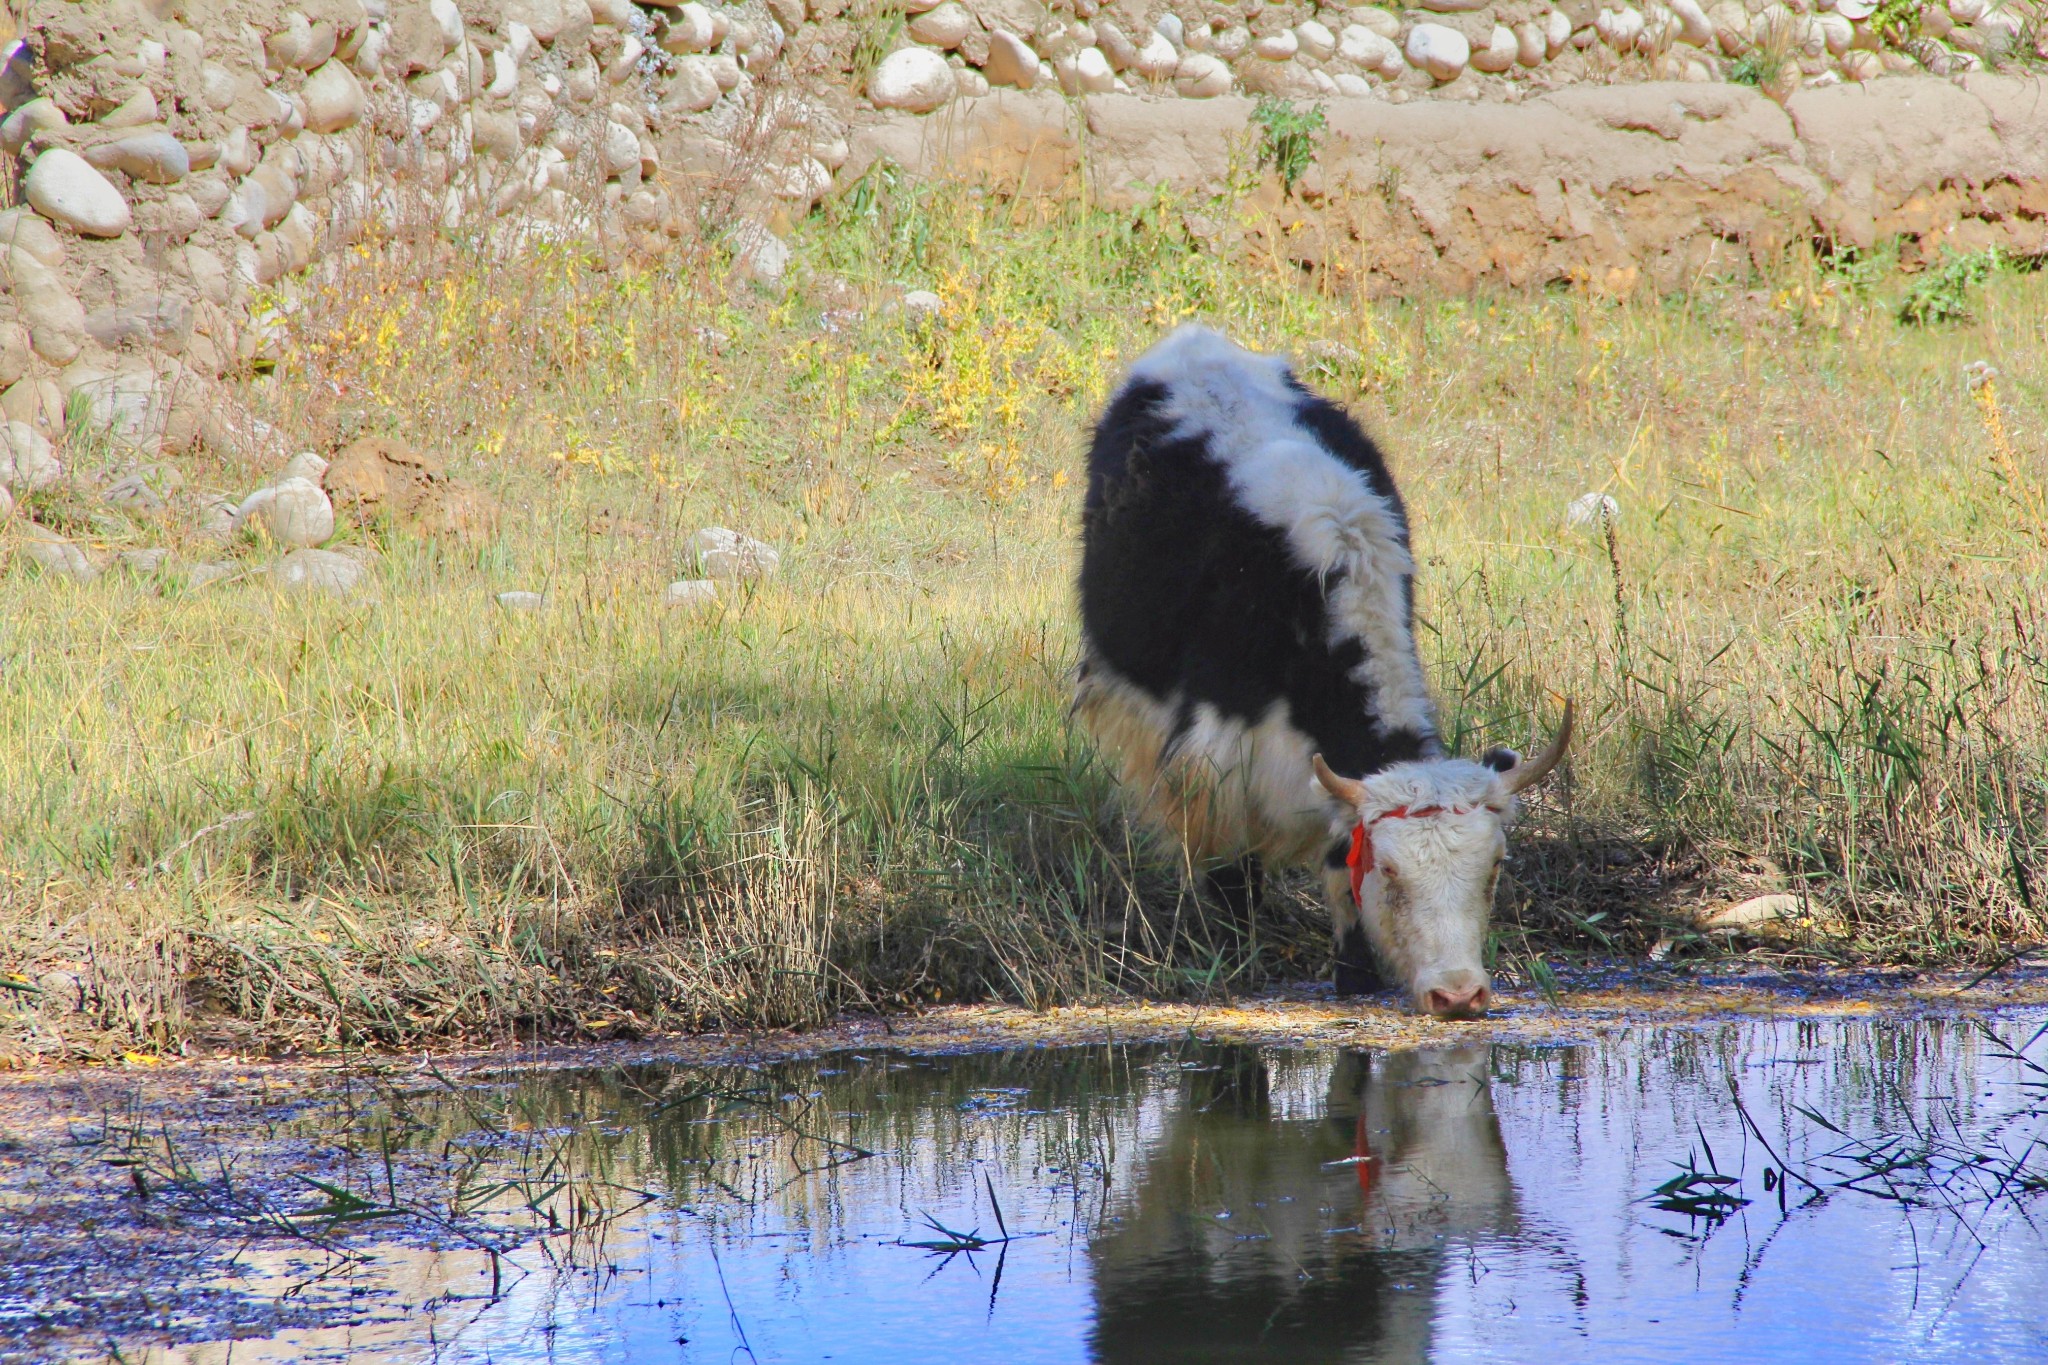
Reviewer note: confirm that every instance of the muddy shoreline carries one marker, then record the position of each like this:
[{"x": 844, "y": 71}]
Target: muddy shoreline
[{"x": 1590, "y": 1001}]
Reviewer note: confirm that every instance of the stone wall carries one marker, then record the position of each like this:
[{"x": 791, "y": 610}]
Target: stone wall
[{"x": 178, "y": 164}]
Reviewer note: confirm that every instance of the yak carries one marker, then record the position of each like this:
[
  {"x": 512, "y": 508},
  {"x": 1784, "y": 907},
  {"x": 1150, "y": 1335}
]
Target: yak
[{"x": 1248, "y": 662}]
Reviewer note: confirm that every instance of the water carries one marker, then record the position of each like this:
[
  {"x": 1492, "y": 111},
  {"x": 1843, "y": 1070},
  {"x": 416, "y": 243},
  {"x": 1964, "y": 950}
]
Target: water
[{"x": 1198, "y": 1203}]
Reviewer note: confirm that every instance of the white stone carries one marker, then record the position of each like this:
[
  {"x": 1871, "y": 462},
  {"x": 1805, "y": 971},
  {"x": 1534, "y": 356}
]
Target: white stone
[
  {"x": 1091, "y": 69},
  {"x": 1855, "y": 11},
  {"x": 450, "y": 19},
  {"x": 53, "y": 554},
  {"x": 1202, "y": 75},
  {"x": 1836, "y": 33},
  {"x": 1530, "y": 49},
  {"x": 1441, "y": 51},
  {"x": 621, "y": 149},
  {"x": 293, "y": 511},
  {"x": 306, "y": 464},
  {"x": 1316, "y": 40},
  {"x": 1693, "y": 25},
  {"x": 6, "y": 505},
  {"x": 27, "y": 460},
  {"x": 803, "y": 181},
  {"x": 328, "y": 571},
  {"x": 24, "y": 123},
  {"x": 63, "y": 187},
  {"x": 521, "y": 601},
  {"x": 689, "y": 30},
  {"x": 1620, "y": 28},
  {"x": 945, "y": 26},
  {"x": 368, "y": 59},
  {"x": 334, "y": 98},
  {"x": 692, "y": 593},
  {"x": 1371, "y": 50},
  {"x": 1156, "y": 59},
  {"x": 691, "y": 87},
  {"x": 139, "y": 109},
  {"x": 725, "y": 69},
  {"x": 1968, "y": 11},
  {"x": 504, "y": 75},
  {"x": 1500, "y": 52},
  {"x": 1169, "y": 27},
  {"x": 1379, "y": 21},
  {"x": 1590, "y": 509},
  {"x": 1010, "y": 61},
  {"x": 220, "y": 571},
  {"x": 1557, "y": 31},
  {"x": 1231, "y": 43},
  {"x": 1357, "y": 87},
  {"x": 1757, "y": 910},
  {"x": 728, "y": 555},
  {"x": 915, "y": 78},
  {"x": 760, "y": 255},
  {"x": 157, "y": 158},
  {"x": 922, "y": 306},
  {"x": 625, "y": 64},
  {"x": 1277, "y": 47}
]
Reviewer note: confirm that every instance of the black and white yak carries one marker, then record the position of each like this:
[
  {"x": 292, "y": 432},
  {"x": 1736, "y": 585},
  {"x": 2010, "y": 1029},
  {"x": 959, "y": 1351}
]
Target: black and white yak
[{"x": 1247, "y": 608}]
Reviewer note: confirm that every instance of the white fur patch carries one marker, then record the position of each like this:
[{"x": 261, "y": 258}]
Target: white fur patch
[
  {"x": 1227, "y": 789},
  {"x": 1240, "y": 405}
]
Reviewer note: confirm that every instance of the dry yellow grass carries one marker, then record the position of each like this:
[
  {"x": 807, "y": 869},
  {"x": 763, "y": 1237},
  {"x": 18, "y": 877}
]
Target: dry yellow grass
[{"x": 1806, "y": 647}]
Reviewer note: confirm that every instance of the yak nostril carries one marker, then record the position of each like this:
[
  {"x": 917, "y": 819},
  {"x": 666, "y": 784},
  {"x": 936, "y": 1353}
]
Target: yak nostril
[{"x": 1453, "y": 1004}]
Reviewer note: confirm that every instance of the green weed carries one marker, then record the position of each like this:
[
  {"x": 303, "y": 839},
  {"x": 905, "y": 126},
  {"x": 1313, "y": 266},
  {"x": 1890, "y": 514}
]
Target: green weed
[
  {"x": 1942, "y": 292},
  {"x": 1287, "y": 138}
]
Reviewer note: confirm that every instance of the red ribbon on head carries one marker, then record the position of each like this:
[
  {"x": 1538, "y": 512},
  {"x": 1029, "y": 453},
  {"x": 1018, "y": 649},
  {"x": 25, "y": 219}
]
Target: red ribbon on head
[{"x": 1361, "y": 860}]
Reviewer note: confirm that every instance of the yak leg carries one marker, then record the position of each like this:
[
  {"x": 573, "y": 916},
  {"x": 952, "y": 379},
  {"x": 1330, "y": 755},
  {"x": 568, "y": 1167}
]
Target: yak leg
[
  {"x": 1240, "y": 888},
  {"x": 1358, "y": 971}
]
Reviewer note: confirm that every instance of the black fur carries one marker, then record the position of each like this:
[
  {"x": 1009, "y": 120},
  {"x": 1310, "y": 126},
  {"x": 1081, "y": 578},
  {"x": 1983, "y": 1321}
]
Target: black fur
[{"x": 1184, "y": 592}]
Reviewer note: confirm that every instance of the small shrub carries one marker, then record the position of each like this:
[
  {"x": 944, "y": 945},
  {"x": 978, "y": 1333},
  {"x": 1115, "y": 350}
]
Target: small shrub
[
  {"x": 881, "y": 25},
  {"x": 1897, "y": 22},
  {"x": 1942, "y": 293},
  {"x": 1855, "y": 270},
  {"x": 1750, "y": 69},
  {"x": 1287, "y": 138}
]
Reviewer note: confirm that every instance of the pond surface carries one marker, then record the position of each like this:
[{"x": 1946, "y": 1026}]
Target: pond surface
[{"x": 1198, "y": 1202}]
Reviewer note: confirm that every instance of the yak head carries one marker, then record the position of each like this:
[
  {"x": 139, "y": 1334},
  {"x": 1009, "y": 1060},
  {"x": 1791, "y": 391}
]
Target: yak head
[{"x": 1426, "y": 843}]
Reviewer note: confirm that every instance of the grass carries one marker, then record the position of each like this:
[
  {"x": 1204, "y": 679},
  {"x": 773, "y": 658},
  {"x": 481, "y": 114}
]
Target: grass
[{"x": 1806, "y": 651}]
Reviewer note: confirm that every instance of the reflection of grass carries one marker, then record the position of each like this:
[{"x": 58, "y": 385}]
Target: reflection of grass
[{"x": 854, "y": 784}]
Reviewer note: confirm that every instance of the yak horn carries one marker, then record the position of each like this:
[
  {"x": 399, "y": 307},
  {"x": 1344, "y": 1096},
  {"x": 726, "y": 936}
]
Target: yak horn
[
  {"x": 1348, "y": 790},
  {"x": 1530, "y": 771}
]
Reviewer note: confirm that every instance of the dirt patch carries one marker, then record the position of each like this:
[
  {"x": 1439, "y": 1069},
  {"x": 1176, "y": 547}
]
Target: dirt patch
[{"x": 377, "y": 478}]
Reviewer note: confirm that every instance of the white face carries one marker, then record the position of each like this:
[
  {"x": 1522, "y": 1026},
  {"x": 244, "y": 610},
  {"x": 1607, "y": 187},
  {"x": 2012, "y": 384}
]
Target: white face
[{"x": 1429, "y": 899}]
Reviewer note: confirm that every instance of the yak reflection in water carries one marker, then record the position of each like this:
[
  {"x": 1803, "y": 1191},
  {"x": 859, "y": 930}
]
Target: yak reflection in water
[{"x": 1254, "y": 1236}]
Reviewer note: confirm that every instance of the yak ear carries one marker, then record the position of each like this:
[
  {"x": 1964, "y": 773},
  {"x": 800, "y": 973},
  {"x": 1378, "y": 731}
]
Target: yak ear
[
  {"x": 1500, "y": 760},
  {"x": 1348, "y": 790}
]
